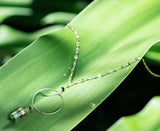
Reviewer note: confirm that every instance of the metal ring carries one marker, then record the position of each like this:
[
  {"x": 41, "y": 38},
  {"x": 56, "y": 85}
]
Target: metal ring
[{"x": 45, "y": 113}]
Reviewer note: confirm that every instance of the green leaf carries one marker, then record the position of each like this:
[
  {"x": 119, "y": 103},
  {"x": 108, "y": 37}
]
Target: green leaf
[
  {"x": 111, "y": 32},
  {"x": 146, "y": 120},
  {"x": 6, "y": 12},
  {"x": 13, "y": 41},
  {"x": 58, "y": 17},
  {"x": 11, "y": 38},
  {"x": 153, "y": 54},
  {"x": 21, "y": 3}
]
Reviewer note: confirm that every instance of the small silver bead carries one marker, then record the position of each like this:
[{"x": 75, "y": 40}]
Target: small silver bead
[
  {"x": 137, "y": 59},
  {"x": 76, "y": 57},
  {"x": 78, "y": 44},
  {"x": 75, "y": 32},
  {"x": 110, "y": 71},
  {"x": 77, "y": 36},
  {"x": 99, "y": 75},
  {"x": 82, "y": 80}
]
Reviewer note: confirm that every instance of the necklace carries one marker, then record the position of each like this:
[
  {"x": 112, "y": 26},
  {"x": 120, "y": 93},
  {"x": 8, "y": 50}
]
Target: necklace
[
  {"x": 21, "y": 111},
  {"x": 148, "y": 69}
]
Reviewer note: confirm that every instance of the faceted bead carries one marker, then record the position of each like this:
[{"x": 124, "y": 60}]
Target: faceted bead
[
  {"x": 62, "y": 89},
  {"x": 99, "y": 75},
  {"x": 110, "y": 71},
  {"x": 17, "y": 114},
  {"x": 78, "y": 44},
  {"x": 137, "y": 59},
  {"x": 30, "y": 108},
  {"x": 75, "y": 32},
  {"x": 77, "y": 36},
  {"x": 76, "y": 57},
  {"x": 82, "y": 80}
]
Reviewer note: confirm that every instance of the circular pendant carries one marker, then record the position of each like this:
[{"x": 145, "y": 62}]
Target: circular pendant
[{"x": 53, "y": 93}]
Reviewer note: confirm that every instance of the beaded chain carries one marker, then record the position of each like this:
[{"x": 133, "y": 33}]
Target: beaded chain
[
  {"x": 148, "y": 69},
  {"x": 71, "y": 83},
  {"x": 100, "y": 75},
  {"x": 21, "y": 112},
  {"x": 75, "y": 57}
]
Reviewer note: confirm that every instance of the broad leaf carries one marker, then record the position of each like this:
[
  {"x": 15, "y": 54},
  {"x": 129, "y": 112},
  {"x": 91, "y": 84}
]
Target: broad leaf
[
  {"x": 11, "y": 38},
  {"x": 112, "y": 33},
  {"x": 6, "y": 12},
  {"x": 146, "y": 120},
  {"x": 58, "y": 17},
  {"x": 15, "y": 3},
  {"x": 153, "y": 54}
]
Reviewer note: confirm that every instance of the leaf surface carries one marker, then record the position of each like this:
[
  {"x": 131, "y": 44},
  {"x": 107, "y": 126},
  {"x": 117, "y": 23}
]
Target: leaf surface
[{"x": 111, "y": 32}]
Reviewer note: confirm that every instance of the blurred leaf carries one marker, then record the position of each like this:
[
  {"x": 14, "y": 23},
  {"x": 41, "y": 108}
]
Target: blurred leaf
[
  {"x": 112, "y": 33},
  {"x": 16, "y": 3},
  {"x": 6, "y": 59},
  {"x": 6, "y": 12},
  {"x": 146, "y": 120},
  {"x": 153, "y": 55},
  {"x": 10, "y": 37},
  {"x": 58, "y": 17}
]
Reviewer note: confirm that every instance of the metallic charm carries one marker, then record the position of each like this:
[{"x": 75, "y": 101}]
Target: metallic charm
[
  {"x": 45, "y": 113},
  {"x": 17, "y": 114}
]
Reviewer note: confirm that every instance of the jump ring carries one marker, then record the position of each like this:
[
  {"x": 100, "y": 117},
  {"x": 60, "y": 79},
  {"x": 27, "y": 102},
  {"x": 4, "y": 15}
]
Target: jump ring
[{"x": 45, "y": 113}]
